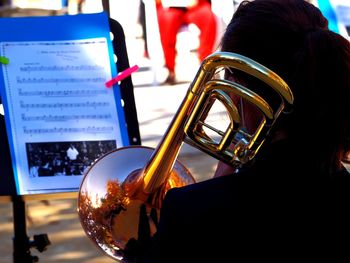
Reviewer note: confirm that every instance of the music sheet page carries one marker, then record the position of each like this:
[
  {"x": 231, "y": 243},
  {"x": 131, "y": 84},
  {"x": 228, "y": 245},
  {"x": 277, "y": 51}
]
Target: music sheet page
[{"x": 62, "y": 115}]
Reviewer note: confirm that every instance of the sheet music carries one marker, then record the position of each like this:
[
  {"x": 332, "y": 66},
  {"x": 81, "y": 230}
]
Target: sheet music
[{"x": 57, "y": 102}]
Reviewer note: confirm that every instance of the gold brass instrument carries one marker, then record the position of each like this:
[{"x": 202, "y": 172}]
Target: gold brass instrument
[{"x": 117, "y": 184}]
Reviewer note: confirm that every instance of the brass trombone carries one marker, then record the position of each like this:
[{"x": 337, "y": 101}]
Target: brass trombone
[{"x": 117, "y": 184}]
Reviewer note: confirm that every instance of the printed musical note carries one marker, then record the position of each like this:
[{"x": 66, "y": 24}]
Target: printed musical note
[
  {"x": 60, "y": 68},
  {"x": 93, "y": 104},
  {"x": 59, "y": 118},
  {"x": 35, "y": 80},
  {"x": 89, "y": 129},
  {"x": 63, "y": 93}
]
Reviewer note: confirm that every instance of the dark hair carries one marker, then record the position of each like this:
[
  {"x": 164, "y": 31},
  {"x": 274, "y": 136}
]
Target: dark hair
[{"x": 291, "y": 37}]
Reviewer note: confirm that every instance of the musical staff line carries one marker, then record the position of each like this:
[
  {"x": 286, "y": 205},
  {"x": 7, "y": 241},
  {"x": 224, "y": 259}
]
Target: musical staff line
[
  {"x": 59, "y": 118},
  {"x": 90, "y": 129},
  {"x": 60, "y": 68},
  {"x": 57, "y": 43},
  {"x": 93, "y": 104},
  {"x": 62, "y": 93},
  {"x": 58, "y": 80}
]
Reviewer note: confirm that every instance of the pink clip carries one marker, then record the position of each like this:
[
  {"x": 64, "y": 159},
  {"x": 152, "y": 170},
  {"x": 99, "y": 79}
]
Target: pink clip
[{"x": 122, "y": 75}]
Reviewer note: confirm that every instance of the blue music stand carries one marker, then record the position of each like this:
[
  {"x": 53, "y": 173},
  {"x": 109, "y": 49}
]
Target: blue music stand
[{"x": 21, "y": 242}]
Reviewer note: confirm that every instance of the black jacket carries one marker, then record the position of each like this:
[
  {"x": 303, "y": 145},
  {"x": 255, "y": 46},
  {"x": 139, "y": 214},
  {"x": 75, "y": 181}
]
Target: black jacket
[{"x": 276, "y": 210}]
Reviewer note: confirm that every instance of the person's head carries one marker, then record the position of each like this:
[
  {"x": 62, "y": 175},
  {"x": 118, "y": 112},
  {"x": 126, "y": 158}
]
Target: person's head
[{"x": 291, "y": 37}]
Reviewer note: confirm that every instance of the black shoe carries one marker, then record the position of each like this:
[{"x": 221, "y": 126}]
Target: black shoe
[{"x": 170, "y": 80}]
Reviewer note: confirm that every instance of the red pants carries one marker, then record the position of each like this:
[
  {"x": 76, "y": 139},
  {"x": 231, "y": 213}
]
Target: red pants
[{"x": 170, "y": 21}]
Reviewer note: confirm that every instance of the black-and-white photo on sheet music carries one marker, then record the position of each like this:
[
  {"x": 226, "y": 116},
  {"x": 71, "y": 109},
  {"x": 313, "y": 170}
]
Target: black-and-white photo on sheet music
[{"x": 62, "y": 117}]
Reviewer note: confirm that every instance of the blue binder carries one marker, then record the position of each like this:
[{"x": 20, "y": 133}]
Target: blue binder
[{"x": 67, "y": 29}]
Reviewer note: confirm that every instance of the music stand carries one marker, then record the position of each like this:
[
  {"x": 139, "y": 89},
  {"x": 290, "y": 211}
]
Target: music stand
[{"x": 21, "y": 242}]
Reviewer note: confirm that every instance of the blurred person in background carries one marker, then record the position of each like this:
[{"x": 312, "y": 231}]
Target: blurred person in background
[
  {"x": 172, "y": 15},
  {"x": 338, "y": 14}
]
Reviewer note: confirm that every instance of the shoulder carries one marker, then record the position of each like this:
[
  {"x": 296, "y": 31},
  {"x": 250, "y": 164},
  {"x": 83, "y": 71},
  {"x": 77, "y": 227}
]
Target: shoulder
[
  {"x": 201, "y": 189},
  {"x": 210, "y": 195}
]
